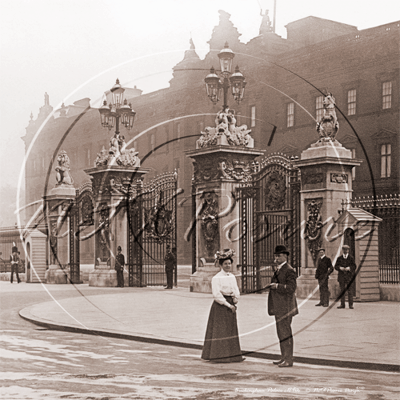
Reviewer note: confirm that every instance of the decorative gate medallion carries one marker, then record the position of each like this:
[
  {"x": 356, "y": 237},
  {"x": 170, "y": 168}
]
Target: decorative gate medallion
[{"x": 159, "y": 223}]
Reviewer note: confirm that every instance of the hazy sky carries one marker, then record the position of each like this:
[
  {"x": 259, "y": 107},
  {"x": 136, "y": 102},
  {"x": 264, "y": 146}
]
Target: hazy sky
[{"x": 73, "y": 49}]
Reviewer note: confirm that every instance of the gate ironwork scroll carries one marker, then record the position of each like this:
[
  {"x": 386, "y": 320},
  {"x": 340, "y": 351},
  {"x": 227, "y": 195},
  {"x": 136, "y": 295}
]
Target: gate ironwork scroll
[
  {"x": 80, "y": 216},
  {"x": 269, "y": 215},
  {"x": 152, "y": 221}
]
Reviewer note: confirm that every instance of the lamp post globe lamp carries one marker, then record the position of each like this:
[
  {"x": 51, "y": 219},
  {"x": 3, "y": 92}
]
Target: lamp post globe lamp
[
  {"x": 215, "y": 84},
  {"x": 117, "y": 111}
]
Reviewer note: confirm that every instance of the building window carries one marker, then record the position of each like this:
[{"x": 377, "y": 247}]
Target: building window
[
  {"x": 178, "y": 131},
  {"x": 351, "y": 102},
  {"x": 353, "y": 171},
  {"x": 253, "y": 116},
  {"x": 88, "y": 157},
  {"x": 319, "y": 107},
  {"x": 290, "y": 115},
  {"x": 386, "y": 160},
  {"x": 386, "y": 95},
  {"x": 166, "y": 138},
  {"x": 238, "y": 118}
]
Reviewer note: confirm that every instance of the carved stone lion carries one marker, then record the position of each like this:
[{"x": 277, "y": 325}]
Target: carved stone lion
[{"x": 63, "y": 176}]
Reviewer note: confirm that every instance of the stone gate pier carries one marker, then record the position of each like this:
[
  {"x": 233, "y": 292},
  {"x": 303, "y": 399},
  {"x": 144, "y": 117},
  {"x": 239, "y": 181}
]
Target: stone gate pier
[{"x": 222, "y": 161}]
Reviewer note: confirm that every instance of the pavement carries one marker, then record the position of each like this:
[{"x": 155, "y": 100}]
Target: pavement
[{"x": 367, "y": 337}]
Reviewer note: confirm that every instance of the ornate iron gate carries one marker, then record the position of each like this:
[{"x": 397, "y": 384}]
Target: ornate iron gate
[
  {"x": 151, "y": 228},
  {"x": 269, "y": 215},
  {"x": 80, "y": 216}
]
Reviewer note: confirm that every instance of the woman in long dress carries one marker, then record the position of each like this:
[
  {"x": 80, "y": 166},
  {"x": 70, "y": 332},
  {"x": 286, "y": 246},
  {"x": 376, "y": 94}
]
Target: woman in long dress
[{"x": 222, "y": 340}]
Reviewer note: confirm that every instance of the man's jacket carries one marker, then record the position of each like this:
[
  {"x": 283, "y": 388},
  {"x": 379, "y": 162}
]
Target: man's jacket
[
  {"x": 324, "y": 268},
  {"x": 282, "y": 301}
]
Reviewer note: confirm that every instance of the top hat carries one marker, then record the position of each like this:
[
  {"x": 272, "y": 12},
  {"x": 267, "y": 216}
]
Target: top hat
[
  {"x": 345, "y": 247},
  {"x": 281, "y": 249}
]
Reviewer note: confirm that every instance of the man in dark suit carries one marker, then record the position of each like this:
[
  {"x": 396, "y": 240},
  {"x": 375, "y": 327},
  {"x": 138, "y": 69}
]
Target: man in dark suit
[
  {"x": 170, "y": 265},
  {"x": 282, "y": 304},
  {"x": 119, "y": 267},
  {"x": 346, "y": 266},
  {"x": 324, "y": 269}
]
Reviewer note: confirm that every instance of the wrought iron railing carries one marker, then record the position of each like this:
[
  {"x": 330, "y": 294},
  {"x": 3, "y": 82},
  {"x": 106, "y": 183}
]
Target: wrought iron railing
[
  {"x": 5, "y": 266},
  {"x": 383, "y": 202},
  {"x": 389, "y": 273}
]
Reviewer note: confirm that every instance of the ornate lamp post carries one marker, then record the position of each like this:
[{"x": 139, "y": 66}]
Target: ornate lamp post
[
  {"x": 116, "y": 178},
  {"x": 117, "y": 111},
  {"x": 215, "y": 84}
]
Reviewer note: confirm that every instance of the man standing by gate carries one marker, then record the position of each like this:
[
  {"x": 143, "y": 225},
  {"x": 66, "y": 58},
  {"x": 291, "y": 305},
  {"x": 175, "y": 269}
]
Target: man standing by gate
[
  {"x": 346, "y": 266},
  {"x": 170, "y": 262},
  {"x": 324, "y": 269},
  {"x": 119, "y": 267},
  {"x": 282, "y": 304}
]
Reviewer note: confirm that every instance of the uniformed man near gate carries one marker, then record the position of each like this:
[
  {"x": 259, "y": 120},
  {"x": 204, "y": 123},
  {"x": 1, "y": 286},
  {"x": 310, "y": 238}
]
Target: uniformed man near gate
[
  {"x": 282, "y": 304},
  {"x": 14, "y": 260},
  {"x": 170, "y": 265},
  {"x": 324, "y": 269},
  {"x": 119, "y": 267}
]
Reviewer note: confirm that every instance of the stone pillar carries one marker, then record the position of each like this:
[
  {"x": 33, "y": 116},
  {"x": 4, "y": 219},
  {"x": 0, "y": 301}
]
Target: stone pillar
[
  {"x": 326, "y": 180},
  {"x": 57, "y": 206},
  {"x": 219, "y": 168},
  {"x": 112, "y": 186}
]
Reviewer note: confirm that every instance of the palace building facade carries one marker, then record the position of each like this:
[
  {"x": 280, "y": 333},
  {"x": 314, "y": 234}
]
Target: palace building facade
[{"x": 287, "y": 80}]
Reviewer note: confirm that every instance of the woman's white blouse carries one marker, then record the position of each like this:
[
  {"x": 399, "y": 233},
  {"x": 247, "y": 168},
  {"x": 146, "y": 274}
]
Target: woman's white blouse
[{"x": 224, "y": 284}]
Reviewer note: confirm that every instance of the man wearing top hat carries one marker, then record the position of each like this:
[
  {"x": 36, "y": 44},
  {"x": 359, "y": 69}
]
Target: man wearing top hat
[
  {"x": 282, "y": 304},
  {"x": 14, "y": 260},
  {"x": 324, "y": 269},
  {"x": 346, "y": 267}
]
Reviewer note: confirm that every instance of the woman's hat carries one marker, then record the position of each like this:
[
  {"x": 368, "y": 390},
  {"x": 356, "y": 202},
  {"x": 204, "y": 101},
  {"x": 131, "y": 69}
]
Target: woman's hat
[
  {"x": 224, "y": 254},
  {"x": 281, "y": 249}
]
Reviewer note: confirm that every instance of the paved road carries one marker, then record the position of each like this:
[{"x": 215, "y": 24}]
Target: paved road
[{"x": 41, "y": 364}]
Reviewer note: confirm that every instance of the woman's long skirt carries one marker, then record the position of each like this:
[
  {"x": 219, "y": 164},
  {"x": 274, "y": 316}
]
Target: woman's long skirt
[{"x": 222, "y": 341}]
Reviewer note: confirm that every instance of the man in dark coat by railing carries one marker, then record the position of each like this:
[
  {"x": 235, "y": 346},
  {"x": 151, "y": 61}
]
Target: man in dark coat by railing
[
  {"x": 346, "y": 266},
  {"x": 170, "y": 265},
  {"x": 324, "y": 269},
  {"x": 282, "y": 304},
  {"x": 119, "y": 267}
]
